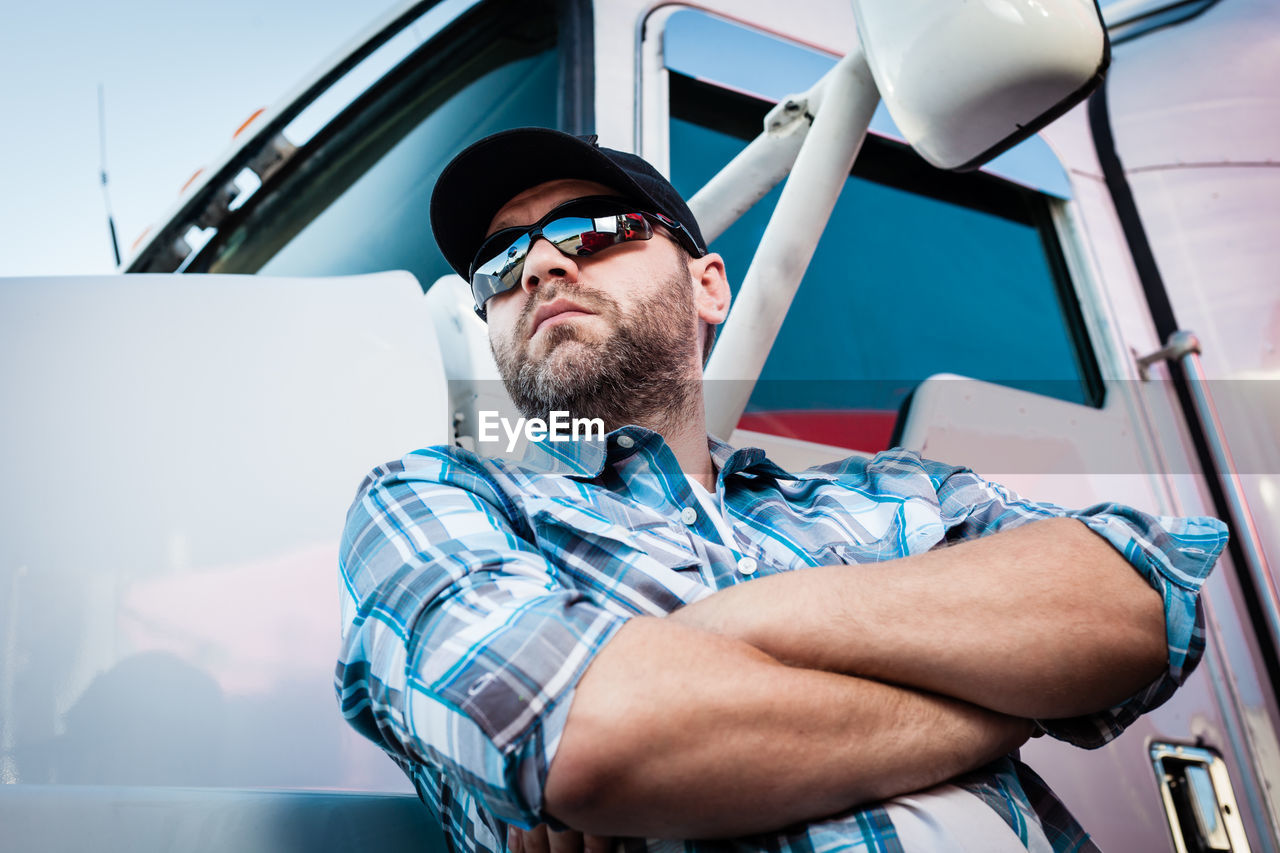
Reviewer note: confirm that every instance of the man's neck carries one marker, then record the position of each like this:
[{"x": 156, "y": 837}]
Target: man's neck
[{"x": 687, "y": 438}]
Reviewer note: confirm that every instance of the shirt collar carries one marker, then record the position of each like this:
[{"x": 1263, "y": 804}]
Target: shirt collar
[
  {"x": 582, "y": 457},
  {"x": 752, "y": 461},
  {"x": 585, "y": 458}
]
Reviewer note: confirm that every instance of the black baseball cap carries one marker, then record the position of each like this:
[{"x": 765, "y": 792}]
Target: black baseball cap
[{"x": 489, "y": 173}]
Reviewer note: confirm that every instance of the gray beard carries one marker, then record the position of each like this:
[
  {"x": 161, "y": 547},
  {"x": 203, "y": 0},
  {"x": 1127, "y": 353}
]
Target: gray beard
[{"x": 637, "y": 376}]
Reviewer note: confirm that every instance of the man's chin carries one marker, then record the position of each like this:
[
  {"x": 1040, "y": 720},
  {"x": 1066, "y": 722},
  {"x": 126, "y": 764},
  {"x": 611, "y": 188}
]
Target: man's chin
[{"x": 568, "y": 361}]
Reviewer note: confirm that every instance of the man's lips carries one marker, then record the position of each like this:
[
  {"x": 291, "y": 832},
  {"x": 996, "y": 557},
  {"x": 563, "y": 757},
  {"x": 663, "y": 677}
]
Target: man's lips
[{"x": 556, "y": 311}]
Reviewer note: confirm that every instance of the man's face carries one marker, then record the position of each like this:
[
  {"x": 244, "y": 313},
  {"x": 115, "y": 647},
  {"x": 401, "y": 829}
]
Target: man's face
[{"x": 613, "y": 335}]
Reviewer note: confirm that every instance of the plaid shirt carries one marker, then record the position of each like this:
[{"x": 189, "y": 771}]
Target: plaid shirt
[{"x": 476, "y": 591}]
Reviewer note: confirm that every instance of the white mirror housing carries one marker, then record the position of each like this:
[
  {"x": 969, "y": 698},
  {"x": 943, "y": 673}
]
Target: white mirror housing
[{"x": 967, "y": 79}]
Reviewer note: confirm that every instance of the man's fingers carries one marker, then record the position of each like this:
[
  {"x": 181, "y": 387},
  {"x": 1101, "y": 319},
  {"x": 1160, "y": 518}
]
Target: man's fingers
[
  {"x": 569, "y": 841},
  {"x": 540, "y": 839},
  {"x": 535, "y": 840},
  {"x": 597, "y": 844}
]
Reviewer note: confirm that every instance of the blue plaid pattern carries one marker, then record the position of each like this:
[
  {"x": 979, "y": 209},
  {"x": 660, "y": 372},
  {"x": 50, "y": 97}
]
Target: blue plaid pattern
[{"x": 476, "y": 591}]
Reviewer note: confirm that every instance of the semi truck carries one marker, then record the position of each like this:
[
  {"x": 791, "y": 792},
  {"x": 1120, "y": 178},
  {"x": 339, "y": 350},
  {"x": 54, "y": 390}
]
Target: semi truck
[{"x": 1093, "y": 315}]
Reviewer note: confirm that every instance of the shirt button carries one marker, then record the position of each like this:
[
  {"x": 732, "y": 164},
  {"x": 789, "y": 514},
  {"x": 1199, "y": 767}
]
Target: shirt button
[
  {"x": 626, "y": 441},
  {"x": 688, "y": 515},
  {"x": 747, "y": 565}
]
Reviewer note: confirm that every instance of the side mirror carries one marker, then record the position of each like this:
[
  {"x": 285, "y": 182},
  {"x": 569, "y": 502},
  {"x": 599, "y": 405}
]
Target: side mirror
[{"x": 967, "y": 79}]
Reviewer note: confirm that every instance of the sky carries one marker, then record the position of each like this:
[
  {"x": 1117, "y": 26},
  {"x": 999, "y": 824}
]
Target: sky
[{"x": 179, "y": 77}]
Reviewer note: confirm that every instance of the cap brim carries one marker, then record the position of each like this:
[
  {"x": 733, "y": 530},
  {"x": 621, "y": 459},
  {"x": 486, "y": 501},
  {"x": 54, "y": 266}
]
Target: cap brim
[{"x": 484, "y": 177}]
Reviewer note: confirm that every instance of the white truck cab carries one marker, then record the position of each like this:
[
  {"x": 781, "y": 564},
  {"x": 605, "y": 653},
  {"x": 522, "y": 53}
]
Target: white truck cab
[{"x": 1091, "y": 316}]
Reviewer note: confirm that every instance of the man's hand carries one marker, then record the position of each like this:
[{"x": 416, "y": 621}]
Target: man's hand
[{"x": 541, "y": 839}]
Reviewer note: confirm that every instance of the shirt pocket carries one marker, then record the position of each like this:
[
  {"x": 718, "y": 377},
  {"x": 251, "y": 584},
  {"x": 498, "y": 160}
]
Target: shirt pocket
[
  {"x": 895, "y": 544},
  {"x": 649, "y": 570}
]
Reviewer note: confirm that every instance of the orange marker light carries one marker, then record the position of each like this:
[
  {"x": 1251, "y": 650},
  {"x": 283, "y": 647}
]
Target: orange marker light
[
  {"x": 141, "y": 237},
  {"x": 191, "y": 180},
  {"x": 250, "y": 120}
]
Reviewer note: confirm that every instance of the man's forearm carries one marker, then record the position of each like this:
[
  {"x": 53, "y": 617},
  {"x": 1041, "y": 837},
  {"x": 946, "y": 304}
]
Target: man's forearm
[
  {"x": 1046, "y": 620},
  {"x": 680, "y": 733}
]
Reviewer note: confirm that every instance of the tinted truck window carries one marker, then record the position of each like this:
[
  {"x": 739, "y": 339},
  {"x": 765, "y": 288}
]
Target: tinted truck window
[{"x": 919, "y": 272}]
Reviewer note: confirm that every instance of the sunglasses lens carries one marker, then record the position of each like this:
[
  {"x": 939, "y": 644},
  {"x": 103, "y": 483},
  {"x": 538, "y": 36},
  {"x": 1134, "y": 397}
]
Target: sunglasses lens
[
  {"x": 571, "y": 235},
  {"x": 577, "y": 235},
  {"x": 502, "y": 271}
]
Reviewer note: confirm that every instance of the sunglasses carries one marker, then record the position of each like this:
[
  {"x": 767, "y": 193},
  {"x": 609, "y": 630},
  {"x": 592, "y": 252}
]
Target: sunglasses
[{"x": 577, "y": 228}]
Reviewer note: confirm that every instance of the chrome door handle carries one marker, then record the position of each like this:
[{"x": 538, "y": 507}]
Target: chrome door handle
[{"x": 1198, "y": 800}]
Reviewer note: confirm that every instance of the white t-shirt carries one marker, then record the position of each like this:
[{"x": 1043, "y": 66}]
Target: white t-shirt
[
  {"x": 949, "y": 819},
  {"x": 712, "y": 506}
]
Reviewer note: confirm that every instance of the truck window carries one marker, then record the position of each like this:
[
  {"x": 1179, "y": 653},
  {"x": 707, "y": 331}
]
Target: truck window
[
  {"x": 358, "y": 200},
  {"x": 920, "y": 272}
]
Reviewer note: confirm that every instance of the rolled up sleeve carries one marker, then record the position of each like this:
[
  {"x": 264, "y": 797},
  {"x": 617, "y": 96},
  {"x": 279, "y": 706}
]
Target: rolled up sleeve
[
  {"x": 460, "y": 649},
  {"x": 1174, "y": 555}
]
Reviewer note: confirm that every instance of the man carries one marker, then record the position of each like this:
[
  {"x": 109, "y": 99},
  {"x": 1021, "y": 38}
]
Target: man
[{"x": 566, "y": 648}]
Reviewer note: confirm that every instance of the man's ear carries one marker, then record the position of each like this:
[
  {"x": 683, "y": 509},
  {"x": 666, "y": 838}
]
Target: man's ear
[{"x": 711, "y": 288}]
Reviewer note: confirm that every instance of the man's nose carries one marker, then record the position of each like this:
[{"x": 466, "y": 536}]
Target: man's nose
[{"x": 544, "y": 261}]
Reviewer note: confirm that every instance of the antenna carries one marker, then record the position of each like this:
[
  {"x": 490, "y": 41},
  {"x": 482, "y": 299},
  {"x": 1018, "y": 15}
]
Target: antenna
[{"x": 102, "y": 160}]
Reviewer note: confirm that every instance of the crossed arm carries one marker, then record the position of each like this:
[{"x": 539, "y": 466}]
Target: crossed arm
[{"x": 796, "y": 696}]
